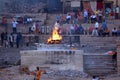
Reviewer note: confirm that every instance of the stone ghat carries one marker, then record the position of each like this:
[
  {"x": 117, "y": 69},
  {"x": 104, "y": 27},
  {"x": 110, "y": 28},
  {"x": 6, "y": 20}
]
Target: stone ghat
[
  {"x": 52, "y": 46},
  {"x": 57, "y": 59}
]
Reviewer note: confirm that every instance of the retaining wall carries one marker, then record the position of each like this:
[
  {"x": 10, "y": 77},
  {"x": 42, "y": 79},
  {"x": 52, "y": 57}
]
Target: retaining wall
[{"x": 53, "y": 59}]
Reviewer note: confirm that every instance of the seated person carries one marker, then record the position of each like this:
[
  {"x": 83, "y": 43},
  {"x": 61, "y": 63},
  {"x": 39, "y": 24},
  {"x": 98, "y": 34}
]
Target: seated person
[
  {"x": 68, "y": 17},
  {"x": 72, "y": 29},
  {"x": 118, "y": 31},
  {"x": 93, "y": 18},
  {"x": 114, "y": 32},
  {"x": 4, "y": 21},
  {"x": 90, "y": 29},
  {"x": 81, "y": 29},
  {"x": 104, "y": 25},
  {"x": 19, "y": 19},
  {"x": 100, "y": 31},
  {"x": 106, "y": 32},
  {"x": 112, "y": 15}
]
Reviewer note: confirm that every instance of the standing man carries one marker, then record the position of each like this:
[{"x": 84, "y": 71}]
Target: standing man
[
  {"x": 11, "y": 40},
  {"x": 96, "y": 25},
  {"x": 68, "y": 18},
  {"x": 14, "y": 25},
  {"x": 18, "y": 39},
  {"x": 2, "y": 38},
  {"x": 117, "y": 10},
  {"x": 4, "y": 23},
  {"x": 100, "y": 16},
  {"x": 38, "y": 73},
  {"x": 85, "y": 14},
  {"x": 104, "y": 25}
]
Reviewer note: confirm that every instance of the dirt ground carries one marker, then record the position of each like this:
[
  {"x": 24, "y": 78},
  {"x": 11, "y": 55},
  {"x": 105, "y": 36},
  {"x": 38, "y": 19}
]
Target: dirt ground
[{"x": 14, "y": 73}]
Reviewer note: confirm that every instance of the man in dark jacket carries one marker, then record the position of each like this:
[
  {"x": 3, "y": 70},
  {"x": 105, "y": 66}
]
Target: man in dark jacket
[{"x": 18, "y": 39}]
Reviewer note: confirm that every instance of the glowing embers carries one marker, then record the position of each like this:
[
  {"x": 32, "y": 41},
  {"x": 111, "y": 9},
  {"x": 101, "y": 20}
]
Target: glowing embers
[{"x": 56, "y": 37}]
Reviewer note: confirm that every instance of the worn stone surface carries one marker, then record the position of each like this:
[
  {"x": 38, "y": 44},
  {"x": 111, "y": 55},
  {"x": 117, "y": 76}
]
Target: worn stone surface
[
  {"x": 13, "y": 73},
  {"x": 58, "y": 59}
]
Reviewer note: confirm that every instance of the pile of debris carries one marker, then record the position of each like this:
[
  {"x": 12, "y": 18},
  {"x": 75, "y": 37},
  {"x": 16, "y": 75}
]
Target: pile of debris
[{"x": 66, "y": 73}]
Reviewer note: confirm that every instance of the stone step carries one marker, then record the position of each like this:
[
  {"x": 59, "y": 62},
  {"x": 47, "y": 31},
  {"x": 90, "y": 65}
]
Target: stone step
[
  {"x": 51, "y": 19},
  {"x": 100, "y": 72},
  {"x": 98, "y": 63}
]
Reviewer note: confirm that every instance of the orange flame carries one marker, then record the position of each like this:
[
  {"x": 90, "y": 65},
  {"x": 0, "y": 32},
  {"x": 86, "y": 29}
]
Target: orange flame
[{"x": 55, "y": 36}]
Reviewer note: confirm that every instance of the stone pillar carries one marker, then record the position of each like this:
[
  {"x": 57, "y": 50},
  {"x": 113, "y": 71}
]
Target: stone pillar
[{"x": 118, "y": 55}]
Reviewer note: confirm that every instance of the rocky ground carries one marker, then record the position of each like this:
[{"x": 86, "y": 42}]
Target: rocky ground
[{"x": 14, "y": 73}]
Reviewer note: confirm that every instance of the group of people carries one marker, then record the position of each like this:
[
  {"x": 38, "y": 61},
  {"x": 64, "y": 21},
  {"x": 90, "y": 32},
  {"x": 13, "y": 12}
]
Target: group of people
[
  {"x": 96, "y": 17},
  {"x": 35, "y": 28},
  {"x": 104, "y": 31},
  {"x": 19, "y": 20},
  {"x": 93, "y": 16},
  {"x": 96, "y": 30},
  {"x": 11, "y": 40},
  {"x": 73, "y": 18},
  {"x": 76, "y": 29}
]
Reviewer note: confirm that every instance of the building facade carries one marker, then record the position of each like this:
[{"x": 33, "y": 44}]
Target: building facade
[
  {"x": 55, "y": 5},
  {"x": 89, "y": 4}
]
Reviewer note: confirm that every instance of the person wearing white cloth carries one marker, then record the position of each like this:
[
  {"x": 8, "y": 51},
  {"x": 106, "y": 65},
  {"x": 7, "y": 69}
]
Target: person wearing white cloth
[
  {"x": 14, "y": 26},
  {"x": 96, "y": 25}
]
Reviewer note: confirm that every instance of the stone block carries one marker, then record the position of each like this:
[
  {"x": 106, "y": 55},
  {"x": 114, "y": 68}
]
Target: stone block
[{"x": 54, "y": 59}]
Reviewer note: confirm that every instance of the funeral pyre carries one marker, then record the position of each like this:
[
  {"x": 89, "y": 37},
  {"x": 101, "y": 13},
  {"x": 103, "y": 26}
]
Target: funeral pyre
[{"x": 56, "y": 37}]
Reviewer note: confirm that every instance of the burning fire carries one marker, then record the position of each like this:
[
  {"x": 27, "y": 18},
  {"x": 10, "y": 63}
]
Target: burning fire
[{"x": 55, "y": 38}]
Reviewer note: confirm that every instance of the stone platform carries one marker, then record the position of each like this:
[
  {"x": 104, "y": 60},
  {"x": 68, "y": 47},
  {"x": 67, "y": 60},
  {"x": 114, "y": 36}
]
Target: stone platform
[{"x": 57, "y": 59}]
